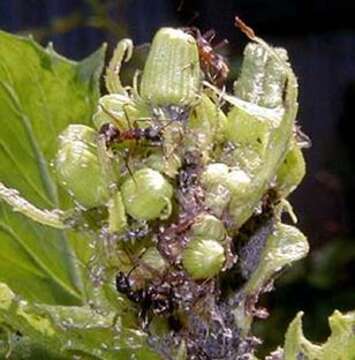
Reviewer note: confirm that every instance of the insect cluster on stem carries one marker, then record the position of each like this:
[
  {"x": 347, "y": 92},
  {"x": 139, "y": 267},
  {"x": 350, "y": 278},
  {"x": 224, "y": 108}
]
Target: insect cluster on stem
[{"x": 201, "y": 178}]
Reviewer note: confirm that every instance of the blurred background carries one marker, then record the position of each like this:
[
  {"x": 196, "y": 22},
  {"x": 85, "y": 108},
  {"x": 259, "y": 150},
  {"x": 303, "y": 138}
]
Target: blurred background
[{"x": 320, "y": 38}]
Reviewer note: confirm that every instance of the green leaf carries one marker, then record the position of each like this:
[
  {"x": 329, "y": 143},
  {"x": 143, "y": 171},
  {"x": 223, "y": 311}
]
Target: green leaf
[
  {"x": 339, "y": 346},
  {"x": 40, "y": 94},
  {"x": 285, "y": 245},
  {"x": 61, "y": 332}
]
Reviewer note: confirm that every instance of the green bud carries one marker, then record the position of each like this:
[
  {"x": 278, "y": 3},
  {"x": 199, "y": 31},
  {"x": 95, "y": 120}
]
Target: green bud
[
  {"x": 208, "y": 226},
  {"x": 147, "y": 195},
  {"x": 208, "y": 123},
  {"x": 262, "y": 78},
  {"x": 78, "y": 168},
  {"x": 223, "y": 184},
  {"x": 77, "y": 132},
  {"x": 217, "y": 198},
  {"x": 249, "y": 85},
  {"x": 172, "y": 71},
  {"x": 153, "y": 259},
  {"x": 239, "y": 183},
  {"x": 217, "y": 195},
  {"x": 117, "y": 219},
  {"x": 203, "y": 258},
  {"x": 150, "y": 265},
  {"x": 213, "y": 174},
  {"x": 167, "y": 165},
  {"x": 120, "y": 110},
  {"x": 291, "y": 171}
]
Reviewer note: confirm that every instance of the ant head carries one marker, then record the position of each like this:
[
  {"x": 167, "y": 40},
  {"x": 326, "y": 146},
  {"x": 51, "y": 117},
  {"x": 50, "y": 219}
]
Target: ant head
[
  {"x": 110, "y": 132},
  {"x": 122, "y": 282},
  {"x": 153, "y": 133}
]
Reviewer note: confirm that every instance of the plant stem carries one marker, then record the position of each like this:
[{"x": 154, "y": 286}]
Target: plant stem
[{"x": 54, "y": 218}]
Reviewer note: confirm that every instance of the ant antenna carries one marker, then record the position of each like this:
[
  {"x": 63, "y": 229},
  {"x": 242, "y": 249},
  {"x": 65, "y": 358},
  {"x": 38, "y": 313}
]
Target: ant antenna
[
  {"x": 126, "y": 116},
  {"x": 109, "y": 113},
  {"x": 126, "y": 161},
  {"x": 209, "y": 35}
]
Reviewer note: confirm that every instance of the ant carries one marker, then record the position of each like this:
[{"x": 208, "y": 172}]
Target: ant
[
  {"x": 155, "y": 297},
  {"x": 164, "y": 295},
  {"x": 212, "y": 63},
  {"x": 113, "y": 135},
  {"x": 158, "y": 298}
]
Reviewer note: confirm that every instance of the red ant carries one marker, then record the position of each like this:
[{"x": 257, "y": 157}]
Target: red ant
[
  {"x": 113, "y": 135},
  {"x": 213, "y": 64}
]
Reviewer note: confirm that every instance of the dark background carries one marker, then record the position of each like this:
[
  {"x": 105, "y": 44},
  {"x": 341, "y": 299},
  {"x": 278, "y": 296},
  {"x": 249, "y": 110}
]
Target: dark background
[{"x": 320, "y": 38}]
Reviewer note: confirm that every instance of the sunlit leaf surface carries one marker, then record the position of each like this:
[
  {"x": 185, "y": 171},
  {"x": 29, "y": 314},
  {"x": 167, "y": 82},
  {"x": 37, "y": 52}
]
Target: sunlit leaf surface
[{"x": 40, "y": 94}]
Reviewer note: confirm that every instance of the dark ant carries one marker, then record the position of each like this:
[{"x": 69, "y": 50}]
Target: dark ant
[
  {"x": 157, "y": 298},
  {"x": 212, "y": 63},
  {"x": 114, "y": 136},
  {"x": 164, "y": 295}
]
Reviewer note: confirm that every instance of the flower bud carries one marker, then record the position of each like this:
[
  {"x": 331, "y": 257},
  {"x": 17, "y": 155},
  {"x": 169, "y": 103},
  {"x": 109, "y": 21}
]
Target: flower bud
[
  {"x": 208, "y": 226},
  {"x": 117, "y": 219},
  {"x": 214, "y": 174},
  {"x": 153, "y": 259},
  {"x": 77, "y": 132},
  {"x": 147, "y": 195},
  {"x": 203, "y": 258},
  {"x": 217, "y": 195},
  {"x": 217, "y": 198},
  {"x": 239, "y": 183},
  {"x": 78, "y": 168},
  {"x": 120, "y": 110},
  {"x": 172, "y": 71},
  {"x": 207, "y": 123}
]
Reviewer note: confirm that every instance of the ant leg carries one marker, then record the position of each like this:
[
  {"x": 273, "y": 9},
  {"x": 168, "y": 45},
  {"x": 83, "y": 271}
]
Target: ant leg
[
  {"x": 126, "y": 161},
  {"x": 144, "y": 315},
  {"x": 221, "y": 44},
  {"x": 110, "y": 114},
  {"x": 209, "y": 35},
  {"x": 191, "y": 66},
  {"x": 129, "y": 154},
  {"x": 128, "y": 121}
]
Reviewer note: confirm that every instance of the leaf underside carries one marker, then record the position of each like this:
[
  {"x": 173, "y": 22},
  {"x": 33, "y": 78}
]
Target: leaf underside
[{"x": 40, "y": 94}]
